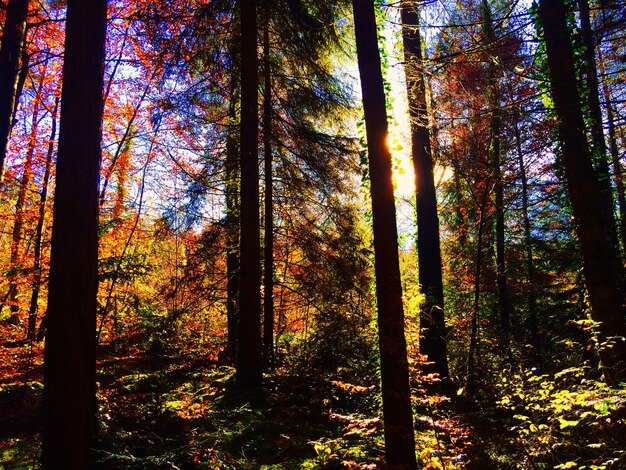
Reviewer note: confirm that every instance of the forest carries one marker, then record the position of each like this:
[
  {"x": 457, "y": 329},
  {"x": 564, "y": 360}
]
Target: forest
[{"x": 256, "y": 234}]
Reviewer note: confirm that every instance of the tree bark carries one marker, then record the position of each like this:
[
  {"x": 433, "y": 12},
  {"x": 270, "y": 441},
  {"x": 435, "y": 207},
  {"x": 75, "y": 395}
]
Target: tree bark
[
  {"x": 69, "y": 403},
  {"x": 43, "y": 197},
  {"x": 533, "y": 321},
  {"x": 249, "y": 372},
  {"x": 268, "y": 248},
  {"x": 598, "y": 144},
  {"x": 618, "y": 174},
  {"x": 601, "y": 260},
  {"x": 232, "y": 225},
  {"x": 12, "y": 40},
  {"x": 432, "y": 322},
  {"x": 473, "y": 346},
  {"x": 495, "y": 126},
  {"x": 396, "y": 392}
]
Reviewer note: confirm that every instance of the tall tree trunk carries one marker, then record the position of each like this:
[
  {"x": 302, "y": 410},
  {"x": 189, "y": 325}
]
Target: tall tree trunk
[
  {"x": 232, "y": 224},
  {"x": 12, "y": 39},
  {"x": 533, "y": 322},
  {"x": 601, "y": 259},
  {"x": 396, "y": 392},
  {"x": 69, "y": 401},
  {"x": 268, "y": 270},
  {"x": 495, "y": 125},
  {"x": 249, "y": 351},
  {"x": 43, "y": 197},
  {"x": 473, "y": 346},
  {"x": 432, "y": 323},
  {"x": 598, "y": 144}
]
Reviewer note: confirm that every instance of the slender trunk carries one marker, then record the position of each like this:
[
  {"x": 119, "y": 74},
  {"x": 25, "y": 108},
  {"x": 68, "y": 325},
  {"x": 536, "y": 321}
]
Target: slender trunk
[
  {"x": 280, "y": 323},
  {"x": 503, "y": 291},
  {"x": 232, "y": 225},
  {"x": 473, "y": 347},
  {"x": 495, "y": 125},
  {"x": 12, "y": 39},
  {"x": 598, "y": 144},
  {"x": 432, "y": 323},
  {"x": 396, "y": 392},
  {"x": 601, "y": 259},
  {"x": 18, "y": 225},
  {"x": 249, "y": 351},
  {"x": 615, "y": 159},
  {"x": 533, "y": 323},
  {"x": 268, "y": 278},
  {"x": 43, "y": 197},
  {"x": 69, "y": 399}
]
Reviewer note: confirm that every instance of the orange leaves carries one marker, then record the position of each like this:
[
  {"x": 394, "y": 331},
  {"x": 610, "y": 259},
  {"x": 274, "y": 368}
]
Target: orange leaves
[{"x": 351, "y": 388}]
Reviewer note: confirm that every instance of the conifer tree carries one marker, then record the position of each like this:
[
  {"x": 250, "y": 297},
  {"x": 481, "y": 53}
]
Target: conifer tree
[
  {"x": 601, "y": 260},
  {"x": 69, "y": 401},
  {"x": 396, "y": 392},
  {"x": 249, "y": 349},
  {"x": 432, "y": 322}
]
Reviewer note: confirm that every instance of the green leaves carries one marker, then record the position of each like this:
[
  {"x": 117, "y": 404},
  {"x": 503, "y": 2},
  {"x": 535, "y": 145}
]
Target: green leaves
[{"x": 558, "y": 414}]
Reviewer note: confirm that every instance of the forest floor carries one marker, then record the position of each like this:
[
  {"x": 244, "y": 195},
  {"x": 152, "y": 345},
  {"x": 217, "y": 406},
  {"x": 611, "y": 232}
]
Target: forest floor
[{"x": 176, "y": 411}]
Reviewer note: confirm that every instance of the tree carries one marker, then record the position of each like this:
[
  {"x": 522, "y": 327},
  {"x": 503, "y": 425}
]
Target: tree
[
  {"x": 432, "y": 321},
  {"x": 601, "y": 260},
  {"x": 69, "y": 369},
  {"x": 594, "y": 114},
  {"x": 231, "y": 165},
  {"x": 268, "y": 248},
  {"x": 33, "y": 307},
  {"x": 396, "y": 392},
  {"x": 249, "y": 352},
  {"x": 495, "y": 131},
  {"x": 12, "y": 39}
]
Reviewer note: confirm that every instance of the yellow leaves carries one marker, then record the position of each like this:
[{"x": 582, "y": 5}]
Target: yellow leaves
[
  {"x": 566, "y": 423},
  {"x": 569, "y": 464}
]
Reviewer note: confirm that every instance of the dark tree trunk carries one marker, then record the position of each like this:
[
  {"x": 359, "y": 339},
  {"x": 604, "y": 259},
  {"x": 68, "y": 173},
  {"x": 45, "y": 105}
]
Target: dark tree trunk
[
  {"x": 601, "y": 259},
  {"x": 232, "y": 224},
  {"x": 12, "y": 39},
  {"x": 615, "y": 157},
  {"x": 69, "y": 402},
  {"x": 37, "y": 268},
  {"x": 598, "y": 144},
  {"x": 249, "y": 351},
  {"x": 268, "y": 270},
  {"x": 615, "y": 161},
  {"x": 533, "y": 321},
  {"x": 495, "y": 125},
  {"x": 432, "y": 323},
  {"x": 396, "y": 392},
  {"x": 473, "y": 346}
]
